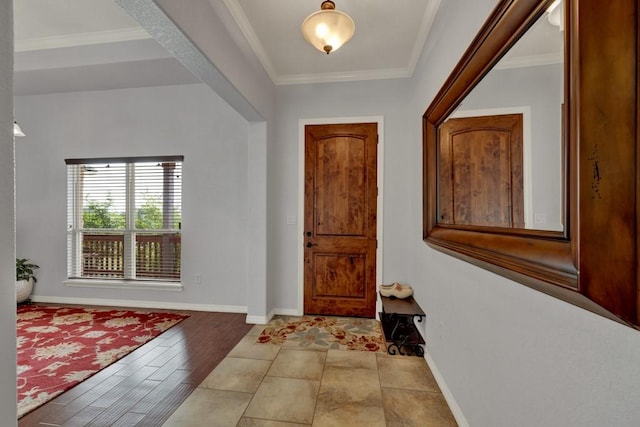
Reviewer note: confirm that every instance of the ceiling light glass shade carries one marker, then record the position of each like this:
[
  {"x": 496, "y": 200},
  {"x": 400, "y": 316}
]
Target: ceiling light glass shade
[
  {"x": 328, "y": 29},
  {"x": 16, "y": 130}
]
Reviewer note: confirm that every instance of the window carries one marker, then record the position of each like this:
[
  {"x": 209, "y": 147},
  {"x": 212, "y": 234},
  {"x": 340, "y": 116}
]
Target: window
[{"x": 124, "y": 218}]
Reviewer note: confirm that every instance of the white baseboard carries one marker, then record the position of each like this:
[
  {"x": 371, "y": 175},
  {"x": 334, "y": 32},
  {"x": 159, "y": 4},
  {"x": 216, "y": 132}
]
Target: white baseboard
[
  {"x": 263, "y": 320},
  {"x": 257, "y": 320},
  {"x": 448, "y": 396},
  {"x": 251, "y": 319},
  {"x": 140, "y": 304},
  {"x": 286, "y": 312}
]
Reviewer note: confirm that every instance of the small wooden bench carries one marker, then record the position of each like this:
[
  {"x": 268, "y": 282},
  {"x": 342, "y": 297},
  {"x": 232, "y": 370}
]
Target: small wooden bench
[{"x": 398, "y": 323}]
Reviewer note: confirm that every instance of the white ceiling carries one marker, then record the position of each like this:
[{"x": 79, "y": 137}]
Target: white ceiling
[
  {"x": 387, "y": 43},
  {"x": 78, "y": 37},
  {"x": 48, "y": 21},
  {"x": 67, "y": 45}
]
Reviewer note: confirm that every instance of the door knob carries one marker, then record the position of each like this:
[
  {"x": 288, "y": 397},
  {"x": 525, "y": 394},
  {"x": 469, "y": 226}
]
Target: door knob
[
  {"x": 308, "y": 234},
  {"x": 310, "y": 244}
]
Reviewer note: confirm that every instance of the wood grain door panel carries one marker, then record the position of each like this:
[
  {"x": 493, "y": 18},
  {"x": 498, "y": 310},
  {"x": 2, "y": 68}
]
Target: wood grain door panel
[
  {"x": 340, "y": 194},
  {"x": 481, "y": 172},
  {"x": 340, "y": 219},
  {"x": 339, "y": 275}
]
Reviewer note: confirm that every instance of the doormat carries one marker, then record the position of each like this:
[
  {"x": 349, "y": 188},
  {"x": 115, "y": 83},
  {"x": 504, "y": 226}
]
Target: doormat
[
  {"x": 325, "y": 333},
  {"x": 58, "y": 347}
]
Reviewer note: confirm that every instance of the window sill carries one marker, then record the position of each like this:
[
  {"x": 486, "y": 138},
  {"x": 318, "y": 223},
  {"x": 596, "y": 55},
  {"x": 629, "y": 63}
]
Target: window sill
[{"x": 125, "y": 284}]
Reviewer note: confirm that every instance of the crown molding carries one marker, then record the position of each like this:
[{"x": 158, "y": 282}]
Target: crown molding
[
  {"x": 252, "y": 38},
  {"x": 530, "y": 61},
  {"x": 344, "y": 76},
  {"x": 423, "y": 32},
  {"x": 81, "y": 39}
]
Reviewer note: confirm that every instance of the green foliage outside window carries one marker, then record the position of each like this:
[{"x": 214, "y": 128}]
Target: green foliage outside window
[
  {"x": 97, "y": 214},
  {"x": 149, "y": 215},
  {"x": 100, "y": 215}
]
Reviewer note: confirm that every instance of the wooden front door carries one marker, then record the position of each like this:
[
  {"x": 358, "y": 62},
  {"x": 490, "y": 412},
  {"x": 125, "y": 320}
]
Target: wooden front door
[
  {"x": 340, "y": 219},
  {"x": 480, "y": 171}
]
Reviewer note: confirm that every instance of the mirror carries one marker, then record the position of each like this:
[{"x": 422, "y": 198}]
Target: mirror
[
  {"x": 592, "y": 260},
  {"x": 533, "y": 256},
  {"x": 500, "y": 151}
]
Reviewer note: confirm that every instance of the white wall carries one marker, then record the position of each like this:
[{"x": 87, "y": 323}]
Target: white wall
[
  {"x": 7, "y": 226},
  {"x": 384, "y": 98},
  {"x": 511, "y": 356},
  {"x": 189, "y": 120},
  {"x": 257, "y": 226},
  {"x": 205, "y": 38}
]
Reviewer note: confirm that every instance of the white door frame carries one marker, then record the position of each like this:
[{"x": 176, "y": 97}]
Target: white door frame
[{"x": 379, "y": 216}]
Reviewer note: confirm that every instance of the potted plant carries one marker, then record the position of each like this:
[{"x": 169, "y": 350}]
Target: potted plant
[{"x": 24, "y": 279}]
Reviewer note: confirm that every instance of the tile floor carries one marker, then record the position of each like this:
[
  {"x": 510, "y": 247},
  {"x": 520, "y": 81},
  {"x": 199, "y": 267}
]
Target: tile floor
[{"x": 272, "y": 386}]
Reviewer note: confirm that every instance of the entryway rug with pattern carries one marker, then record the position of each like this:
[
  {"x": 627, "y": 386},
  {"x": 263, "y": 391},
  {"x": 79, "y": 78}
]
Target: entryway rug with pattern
[
  {"x": 324, "y": 333},
  {"x": 58, "y": 347}
]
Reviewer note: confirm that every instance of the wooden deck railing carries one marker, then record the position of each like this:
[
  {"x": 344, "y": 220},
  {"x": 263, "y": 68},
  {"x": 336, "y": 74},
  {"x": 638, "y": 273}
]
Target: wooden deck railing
[{"x": 157, "y": 256}]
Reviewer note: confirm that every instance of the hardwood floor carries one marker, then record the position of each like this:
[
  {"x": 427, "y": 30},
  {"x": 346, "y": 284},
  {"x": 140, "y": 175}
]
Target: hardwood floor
[{"x": 145, "y": 387}]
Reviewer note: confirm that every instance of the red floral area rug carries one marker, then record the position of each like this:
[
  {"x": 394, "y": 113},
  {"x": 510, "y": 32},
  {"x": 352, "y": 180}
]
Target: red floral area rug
[
  {"x": 324, "y": 333},
  {"x": 58, "y": 347}
]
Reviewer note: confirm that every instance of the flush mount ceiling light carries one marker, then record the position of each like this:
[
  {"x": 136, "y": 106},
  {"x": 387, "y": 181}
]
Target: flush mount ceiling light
[
  {"x": 328, "y": 28},
  {"x": 16, "y": 130}
]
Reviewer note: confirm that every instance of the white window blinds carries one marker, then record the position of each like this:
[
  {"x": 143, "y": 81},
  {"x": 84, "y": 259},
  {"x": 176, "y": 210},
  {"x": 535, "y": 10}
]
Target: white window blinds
[{"x": 124, "y": 218}]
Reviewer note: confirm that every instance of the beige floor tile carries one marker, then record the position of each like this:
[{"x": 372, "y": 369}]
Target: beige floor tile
[
  {"x": 409, "y": 408},
  {"x": 284, "y": 399},
  {"x": 211, "y": 408},
  {"x": 237, "y": 374},
  {"x": 339, "y": 414},
  {"x": 255, "y": 331},
  {"x": 248, "y": 348},
  {"x": 304, "y": 364},
  {"x": 350, "y": 385},
  {"x": 299, "y": 386},
  {"x": 296, "y": 345},
  {"x": 406, "y": 372},
  {"x": 351, "y": 359},
  {"x": 255, "y": 422}
]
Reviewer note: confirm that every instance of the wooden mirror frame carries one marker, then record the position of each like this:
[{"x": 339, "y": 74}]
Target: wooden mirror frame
[{"x": 593, "y": 262}]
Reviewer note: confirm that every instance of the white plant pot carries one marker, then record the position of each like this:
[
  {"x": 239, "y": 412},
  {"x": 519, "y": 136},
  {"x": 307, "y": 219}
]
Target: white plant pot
[{"x": 23, "y": 289}]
